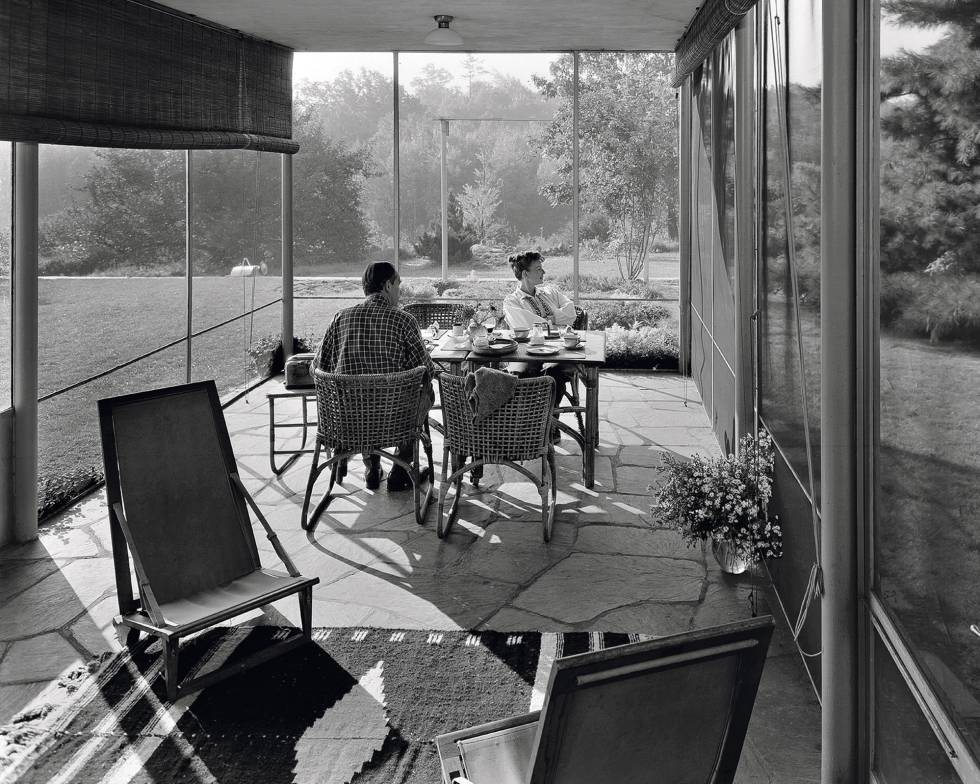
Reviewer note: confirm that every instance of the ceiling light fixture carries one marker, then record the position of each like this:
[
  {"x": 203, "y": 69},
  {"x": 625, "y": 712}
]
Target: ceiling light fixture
[{"x": 442, "y": 35}]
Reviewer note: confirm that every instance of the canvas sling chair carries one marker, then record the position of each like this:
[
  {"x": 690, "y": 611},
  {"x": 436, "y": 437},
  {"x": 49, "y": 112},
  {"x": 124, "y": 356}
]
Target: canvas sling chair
[
  {"x": 178, "y": 507},
  {"x": 669, "y": 710}
]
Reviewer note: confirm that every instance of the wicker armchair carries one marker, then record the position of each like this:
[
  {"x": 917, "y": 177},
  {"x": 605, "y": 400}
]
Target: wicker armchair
[
  {"x": 363, "y": 414},
  {"x": 518, "y": 430},
  {"x": 445, "y": 314}
]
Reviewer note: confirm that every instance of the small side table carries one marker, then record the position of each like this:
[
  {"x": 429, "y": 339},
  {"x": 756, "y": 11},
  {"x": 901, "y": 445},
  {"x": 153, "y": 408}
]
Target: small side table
[{"x": 306, "y": 395}]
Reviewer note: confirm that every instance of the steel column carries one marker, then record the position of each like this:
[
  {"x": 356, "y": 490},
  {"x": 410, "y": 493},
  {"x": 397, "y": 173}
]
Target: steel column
[
  {"x": 840, "y": 439},
  {"x": 286, "y": 198}
]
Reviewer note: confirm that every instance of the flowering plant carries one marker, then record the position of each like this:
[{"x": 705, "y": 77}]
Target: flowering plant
[{"x": 723, "y": 499}]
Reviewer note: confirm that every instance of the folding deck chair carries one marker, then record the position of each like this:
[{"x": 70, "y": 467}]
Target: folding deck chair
[
  {"x": 672, "y": 711},
  {"x": 178, "y": 506}
]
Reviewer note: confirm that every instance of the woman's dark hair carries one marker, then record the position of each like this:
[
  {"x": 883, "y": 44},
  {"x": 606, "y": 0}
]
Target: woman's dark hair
[
  {"x": 376, "y": 275},
  {"x": 521, "y": 261}
]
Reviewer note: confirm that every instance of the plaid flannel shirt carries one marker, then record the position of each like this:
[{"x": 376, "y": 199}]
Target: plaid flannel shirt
[{"x": 372, "y": 337}]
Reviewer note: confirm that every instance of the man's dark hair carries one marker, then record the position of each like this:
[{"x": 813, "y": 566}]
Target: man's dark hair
[
  {"x": 376, "y": 275},
  {"x": 521, "y": 261}
]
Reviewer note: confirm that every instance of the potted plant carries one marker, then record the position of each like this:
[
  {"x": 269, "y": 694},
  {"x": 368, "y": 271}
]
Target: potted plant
[{"x": 723, "y": 501}]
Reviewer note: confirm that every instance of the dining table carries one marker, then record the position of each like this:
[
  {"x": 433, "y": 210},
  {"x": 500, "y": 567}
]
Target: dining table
[{"x": 452, "y": 351}]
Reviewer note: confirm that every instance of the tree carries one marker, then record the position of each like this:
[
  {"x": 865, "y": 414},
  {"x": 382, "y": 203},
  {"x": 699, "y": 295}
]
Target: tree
[
  {"x": 480, "y": 200},
  {"x": 930, "y": 148},
  {"x": 627, "y": 159}
]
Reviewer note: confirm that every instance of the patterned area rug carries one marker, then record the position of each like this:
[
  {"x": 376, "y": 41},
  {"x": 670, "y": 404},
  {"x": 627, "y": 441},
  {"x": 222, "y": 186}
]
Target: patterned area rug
[{"x": 358, "y": 705}]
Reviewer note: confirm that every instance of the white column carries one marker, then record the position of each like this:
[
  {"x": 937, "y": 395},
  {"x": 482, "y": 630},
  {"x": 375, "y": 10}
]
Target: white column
[
  {"x": 25, "y": 355},
  {"x": 684, "y": 226}
]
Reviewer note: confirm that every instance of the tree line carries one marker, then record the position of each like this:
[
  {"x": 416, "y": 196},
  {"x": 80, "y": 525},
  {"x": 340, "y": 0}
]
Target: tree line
[{"x": 510, "y": 175}]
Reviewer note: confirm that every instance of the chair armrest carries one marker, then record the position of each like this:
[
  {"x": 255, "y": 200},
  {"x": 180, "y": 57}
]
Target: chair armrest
[
  {"x": 270, "y": 534},
  {"x": 152, "y": 607},
  {"x": 461, "y": 780}
]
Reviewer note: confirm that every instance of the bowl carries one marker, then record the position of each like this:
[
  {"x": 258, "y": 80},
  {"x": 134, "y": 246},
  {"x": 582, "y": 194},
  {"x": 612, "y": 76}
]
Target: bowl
[{"x": 521, "y": 333}]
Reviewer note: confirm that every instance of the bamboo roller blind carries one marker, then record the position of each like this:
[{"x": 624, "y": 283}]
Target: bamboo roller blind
[
  {"x": 129, "y": 73},
  {"x": 715, "y": 20}
]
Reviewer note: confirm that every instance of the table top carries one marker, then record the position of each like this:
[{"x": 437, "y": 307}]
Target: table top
[{"x": 591, "y": 352}]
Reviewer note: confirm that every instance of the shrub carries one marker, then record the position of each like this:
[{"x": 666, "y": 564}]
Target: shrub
[
  {"x": 625, "y": 314},
  {"x": 595, "y": 284},
  {"x": 266, "y": 352},
  {"x": 641, "y": 347},
  {"x": 941, "y": 307},
  {"x": 417, "y": 291},
  {"x": 54, "y": 493}
]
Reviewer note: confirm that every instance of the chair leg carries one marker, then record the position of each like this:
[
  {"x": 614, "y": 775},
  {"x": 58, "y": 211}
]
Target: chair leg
[
  {"x": 421, "y": 501},
  {"x": 549, "y": 486},
  {"x": 171, "y": 646},
  {"x": 441, "y": 527},
  {"x": 306, "y": 611},
  {"x": 309, "y": 522}
]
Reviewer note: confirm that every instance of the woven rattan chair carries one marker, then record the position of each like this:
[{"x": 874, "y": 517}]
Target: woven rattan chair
[
  {"x": 364, "y": 414},
  {"x": 445, "y": 314},
  {"x": 518, "y": 430},
  {"x": 178, "y": 507}
]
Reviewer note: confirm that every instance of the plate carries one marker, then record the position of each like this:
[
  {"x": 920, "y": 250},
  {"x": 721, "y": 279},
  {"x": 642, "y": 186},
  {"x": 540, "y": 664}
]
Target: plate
[
  {"x": 543, "y": 351},
  {"x": 497, "y": 347}
]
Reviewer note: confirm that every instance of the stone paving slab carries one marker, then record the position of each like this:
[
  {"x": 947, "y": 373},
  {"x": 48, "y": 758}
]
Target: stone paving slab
[
  {"x": 41, "y": 658},
  {"x": 585, "y": 585}
]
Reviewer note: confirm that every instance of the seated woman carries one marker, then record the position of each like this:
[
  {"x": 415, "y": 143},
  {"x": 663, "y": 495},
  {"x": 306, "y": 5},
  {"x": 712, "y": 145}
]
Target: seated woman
[{"x": 532, "y": 302}]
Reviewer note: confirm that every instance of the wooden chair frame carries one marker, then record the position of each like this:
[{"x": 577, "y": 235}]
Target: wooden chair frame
[
  {"x": 200, "y": 608},
  {"x": 585, "y": 723}
]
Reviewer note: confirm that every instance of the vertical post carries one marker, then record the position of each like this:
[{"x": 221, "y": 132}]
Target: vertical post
[
  {"x": 395, "y": 162},
  {"x": 839, "y": 465},
  {"x": 575, "y": 179},
  {"x": 286, "y": 189},
  {"x": 444, "y": 169},
  {"x": 25, "y": 341},
  {"x": 188, "y": 260},
  {"x": 684, "y": 227},
  {"x": 744, "y": 223}
]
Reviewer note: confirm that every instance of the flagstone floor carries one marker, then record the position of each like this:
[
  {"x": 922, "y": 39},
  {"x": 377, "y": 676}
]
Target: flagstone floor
[{"x": 608, "y": 566}]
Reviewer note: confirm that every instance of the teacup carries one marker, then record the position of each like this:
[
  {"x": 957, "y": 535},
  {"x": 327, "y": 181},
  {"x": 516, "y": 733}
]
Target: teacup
[
  {"x": 458, "y": 330},
  {"x": 571, "y": 339},
  {"x": 521, "y": 333}
]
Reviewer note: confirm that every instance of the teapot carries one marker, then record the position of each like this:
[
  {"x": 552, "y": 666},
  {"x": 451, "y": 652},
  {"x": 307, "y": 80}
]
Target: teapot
[{"x": 538, "y": 332}]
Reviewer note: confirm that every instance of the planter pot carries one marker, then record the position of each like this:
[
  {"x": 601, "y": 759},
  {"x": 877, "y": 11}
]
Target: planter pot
[{"x": 729, "y": 562}]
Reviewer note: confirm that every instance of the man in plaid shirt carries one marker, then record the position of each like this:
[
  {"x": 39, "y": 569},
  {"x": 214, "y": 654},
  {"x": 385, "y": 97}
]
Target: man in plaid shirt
[{"x": 377, "y": 337}]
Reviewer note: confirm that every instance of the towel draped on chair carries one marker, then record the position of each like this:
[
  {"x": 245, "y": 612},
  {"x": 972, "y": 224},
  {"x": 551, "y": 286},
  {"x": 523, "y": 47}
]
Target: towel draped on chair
[{"x": 487, "y": 390}]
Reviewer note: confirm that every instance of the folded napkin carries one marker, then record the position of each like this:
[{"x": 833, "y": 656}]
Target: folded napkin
[{"x": 487, "y": 390}]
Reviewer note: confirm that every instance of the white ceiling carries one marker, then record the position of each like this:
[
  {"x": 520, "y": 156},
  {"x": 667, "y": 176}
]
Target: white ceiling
[{"x": 486, "y": 25}]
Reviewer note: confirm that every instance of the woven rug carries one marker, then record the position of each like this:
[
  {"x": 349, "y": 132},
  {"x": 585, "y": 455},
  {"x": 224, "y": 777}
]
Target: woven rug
[{"x": 357, "y": 705}]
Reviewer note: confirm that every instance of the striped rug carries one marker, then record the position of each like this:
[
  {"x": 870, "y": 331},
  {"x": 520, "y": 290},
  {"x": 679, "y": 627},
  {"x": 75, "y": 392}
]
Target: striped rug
[{"x": 359, "y": 706}]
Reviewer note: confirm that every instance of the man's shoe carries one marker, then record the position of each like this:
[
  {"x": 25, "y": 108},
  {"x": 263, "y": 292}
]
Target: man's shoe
[
  {"x": 399, "y": 479},
  {"x": 373, "y": 478}
]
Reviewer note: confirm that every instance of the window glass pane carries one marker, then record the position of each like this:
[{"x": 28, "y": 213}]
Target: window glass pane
[
  {"x": 791, "y": 119},
  {"x": 6, "y": 185},
  {"x": 220, "y": 353},
  {"x": 505, "y": 125},
  {"x": 110, "y": 288},
  {"x": 237, "y": 257},
  {"x": 906, "y": 749},
  {"x": 343, "y": 204},
  {"x": 927, "y": 537}
]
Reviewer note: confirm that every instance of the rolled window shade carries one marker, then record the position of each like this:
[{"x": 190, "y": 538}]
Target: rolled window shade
[
  {"x": 126, "y": 73},
  {"x": 715, "y": 20}
]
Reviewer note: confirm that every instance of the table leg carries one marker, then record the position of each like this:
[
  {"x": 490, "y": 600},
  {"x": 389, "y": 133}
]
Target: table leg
[{"x": 590, "y": 379}]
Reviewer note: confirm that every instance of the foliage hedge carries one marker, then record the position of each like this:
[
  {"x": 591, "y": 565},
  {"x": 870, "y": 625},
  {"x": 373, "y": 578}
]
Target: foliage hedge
[
  {"x": 57, "y": 492},
  {"x": 938, "y": 307}
]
